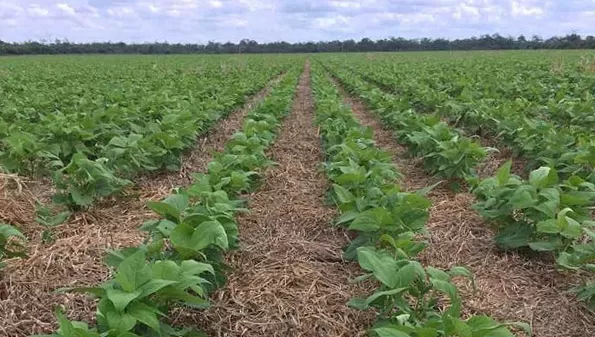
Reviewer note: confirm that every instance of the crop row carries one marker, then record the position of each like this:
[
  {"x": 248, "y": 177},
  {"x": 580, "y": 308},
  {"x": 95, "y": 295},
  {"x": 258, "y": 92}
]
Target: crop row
[
  {"x": 549, "y": 212},
  {"x": 444, "y": 150},
  {"x": 93, "y": 125},
  {"x": 182, "y": 260},
  {"x": 563, "y": 96},
  {"x": 540, "y": 138},
  {"x": 409, "y": 297}
]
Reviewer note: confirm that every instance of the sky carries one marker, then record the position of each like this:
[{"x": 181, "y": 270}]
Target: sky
[{"x": 199, "y": 21}]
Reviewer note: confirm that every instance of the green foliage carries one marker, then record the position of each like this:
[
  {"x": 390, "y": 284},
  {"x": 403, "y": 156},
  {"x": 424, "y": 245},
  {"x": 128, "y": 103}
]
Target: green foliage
[
  {"x": 182, "y": 260},
  {"x": 444, "y": 150},
  {"x": 83, "y": 181},
  {"x": 542, "y": 213},
  {"x": 45, "y": 216},
  {"x": 141, "y": 292},
  {"x": 542, "y": 115},
  {"x": 108, "y": 121},
  {"x": 11, "y": 243},
  {"x": 409, "y": 298}
]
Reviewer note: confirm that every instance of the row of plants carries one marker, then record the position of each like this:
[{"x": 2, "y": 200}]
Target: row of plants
[
  {"x": 544, "y": 213},
  {"x": 92, "y": 125},
  {"x": 410, "y": 299},
  {"x": 550, "y": 212},
  {"x": 182, "y": 260},
  {"x": 511, "y": 119},
  {"x": 445, "y": 151},
  {"x": 526, "y": 83}
]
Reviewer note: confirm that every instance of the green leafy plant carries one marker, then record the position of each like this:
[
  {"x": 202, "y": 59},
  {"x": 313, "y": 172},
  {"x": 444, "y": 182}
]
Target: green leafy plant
[
  {"x": 542, "y": 213},
  {"x": 141, "y": 293},
  {"x": 182, "y": 260},
  {"x": 410, "y": 300},
  {"x": 45, "y": 216},
  {"x": 11, "y": 243},
  {"x": 83, "y": 181},
  {"x": 91, "y": 136}
]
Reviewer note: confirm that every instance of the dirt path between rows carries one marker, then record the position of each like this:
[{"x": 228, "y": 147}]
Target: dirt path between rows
[
  {"x": 510, "y": 287},
  {"x": 27, "y": 297},
  {"x": 288, "y": 278}
]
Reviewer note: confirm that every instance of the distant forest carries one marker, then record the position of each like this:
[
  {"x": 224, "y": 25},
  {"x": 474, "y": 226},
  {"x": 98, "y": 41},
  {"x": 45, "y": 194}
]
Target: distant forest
[{"x": 484, "y": 42}]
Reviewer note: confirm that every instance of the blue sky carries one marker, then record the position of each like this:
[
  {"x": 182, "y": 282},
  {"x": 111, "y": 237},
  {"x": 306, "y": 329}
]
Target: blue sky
[{"x": 273, "y": 20}]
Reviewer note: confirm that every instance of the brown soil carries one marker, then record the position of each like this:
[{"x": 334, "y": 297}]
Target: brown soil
[
  {"x": 288, "y": 277},
  {"x": 27, "y": 297},
  {"x": 509, "y": 287}
]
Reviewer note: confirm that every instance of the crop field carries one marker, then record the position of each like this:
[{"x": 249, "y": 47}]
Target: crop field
[{"x": 382, "y": 194}]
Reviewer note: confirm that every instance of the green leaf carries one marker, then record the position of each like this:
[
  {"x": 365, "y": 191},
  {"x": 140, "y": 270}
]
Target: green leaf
[
  {"x": 445, "y": 287},
  {"x": 543, "y": 177},
  {"x": 358, "y": 303},
  {"x": 171, "y": 208},
  {"x": 457, "y": 327},
  {"x": 386, "y": 293},
  {"x": 343, "y": 195},
  {"x": 346, "y": 217},
  {"x": 7, "y": 231},
  {"x": 437, "y": 274},
  {"x": 121, "y": 322},
  {"x": 154, "y": 286},
  {"x": 544, "y": 246},
  {"x": 145, "y": 314},
  {"x": 80, "y": 198},
  {"x": 382, "y": 266},
  {"x": 133, "y": 271},
  {"x": 190, "y": 240},
  {"x": 121, "y": 298},
  {"x": 549, "y": 226},
  {"x": 390, "y": 332},
  {"x": 460, "y": 271},
  {"x": 365, "y": 222},
  {"x": 483, "y": 326},
  {"x": 514, "y": 236},
  {"x": 193, "y": 267},
  {"x": 503, "y": 173},
  {"x": 549, "y": 208},
  {"x": 522, "y": 198},
  {"x": 407, "y": 274}
]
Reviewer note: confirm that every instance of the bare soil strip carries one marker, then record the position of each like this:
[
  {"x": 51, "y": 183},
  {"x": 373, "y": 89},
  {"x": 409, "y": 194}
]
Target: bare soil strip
[
  {"x": 510, "y": 287},
  {"x": 27, "y": 297},
  {"x": 288, "y": 278}
]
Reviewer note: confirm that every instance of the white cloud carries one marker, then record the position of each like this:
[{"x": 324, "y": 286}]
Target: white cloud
[
  {"x": 520, "y": 9},
  {"x": 216, "y": 4},
  {"x": 338, "y": 22},
  {"x": 121, "y": 12},
  {"x": 37, "y": 11},
  {"x": 66, "y": 8},
  {"x": 466, "y": 12}
]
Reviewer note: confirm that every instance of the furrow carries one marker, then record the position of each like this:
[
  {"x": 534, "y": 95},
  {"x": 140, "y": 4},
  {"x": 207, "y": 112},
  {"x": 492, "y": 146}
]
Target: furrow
[{"x": 289, "y": 278}]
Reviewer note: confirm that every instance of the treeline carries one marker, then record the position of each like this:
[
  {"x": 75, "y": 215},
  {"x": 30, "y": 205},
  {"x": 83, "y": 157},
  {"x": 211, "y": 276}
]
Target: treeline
[{"x": 484, "y": 42}]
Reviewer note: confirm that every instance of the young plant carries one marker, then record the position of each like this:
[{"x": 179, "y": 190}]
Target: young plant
[
  {"x": 136, "y": 300},
  {"x": 542, "y": 213},
  {"x": 11, "y": 243},
  {"x": 83, "y": 181},
  {"x": 45, "y": 216}
]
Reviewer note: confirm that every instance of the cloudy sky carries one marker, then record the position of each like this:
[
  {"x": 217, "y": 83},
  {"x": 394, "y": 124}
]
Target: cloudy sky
[{"x": 289, "y": 20}]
